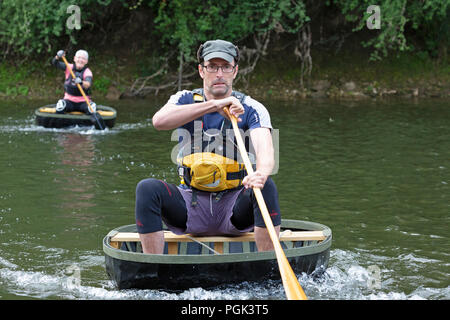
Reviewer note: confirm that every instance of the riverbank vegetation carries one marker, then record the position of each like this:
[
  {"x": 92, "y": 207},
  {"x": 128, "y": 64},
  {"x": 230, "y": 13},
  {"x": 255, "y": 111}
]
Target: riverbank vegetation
[{"x": 290, "y": 49}]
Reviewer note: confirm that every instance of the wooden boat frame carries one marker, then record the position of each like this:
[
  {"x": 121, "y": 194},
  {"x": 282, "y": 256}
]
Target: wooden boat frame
[{"x": 176, "y": 269}]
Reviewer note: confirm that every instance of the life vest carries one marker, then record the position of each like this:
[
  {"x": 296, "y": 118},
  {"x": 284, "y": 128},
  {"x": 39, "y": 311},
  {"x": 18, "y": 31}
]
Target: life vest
[
  {"x": 208, "y": 169},
  {"x": 70, "y": 86}
]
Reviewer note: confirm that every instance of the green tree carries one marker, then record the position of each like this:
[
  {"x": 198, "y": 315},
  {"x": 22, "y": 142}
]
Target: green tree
[
  {"x": 29, "y": 27},
  {"x": 396, "y": 16},
  {"x": 183, "y": 24}
]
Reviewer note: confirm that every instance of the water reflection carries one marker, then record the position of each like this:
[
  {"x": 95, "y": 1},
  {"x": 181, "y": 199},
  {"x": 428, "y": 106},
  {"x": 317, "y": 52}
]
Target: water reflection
[{"x": 73, "y": 177}]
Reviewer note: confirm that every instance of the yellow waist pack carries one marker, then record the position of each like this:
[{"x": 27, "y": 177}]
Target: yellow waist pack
[{"x": 211, "y": 172}]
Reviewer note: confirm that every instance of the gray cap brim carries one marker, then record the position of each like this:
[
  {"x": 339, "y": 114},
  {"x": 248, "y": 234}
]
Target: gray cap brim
[{"x": 221, "y": 55}]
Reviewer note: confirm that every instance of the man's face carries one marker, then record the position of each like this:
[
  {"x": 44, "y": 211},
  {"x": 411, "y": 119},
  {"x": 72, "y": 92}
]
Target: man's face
[
  {"x": 80, "y": 61},
  {"x": 217, "y": 84}
]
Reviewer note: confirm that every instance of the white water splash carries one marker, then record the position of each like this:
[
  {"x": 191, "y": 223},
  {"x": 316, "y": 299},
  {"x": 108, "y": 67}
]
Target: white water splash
[
  {"x": 7, "y": 264},
  {"x": 351, "y": 277},
  {"x": 345, "y": 279},
  {"x": 30, "y": 126}
]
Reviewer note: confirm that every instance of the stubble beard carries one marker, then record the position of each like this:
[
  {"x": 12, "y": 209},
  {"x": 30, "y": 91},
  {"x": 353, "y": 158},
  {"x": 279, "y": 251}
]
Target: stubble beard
[{"x": 219, "y": 93}]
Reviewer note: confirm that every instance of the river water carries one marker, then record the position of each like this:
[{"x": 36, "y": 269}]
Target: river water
[{"x": 376, "y": 172}]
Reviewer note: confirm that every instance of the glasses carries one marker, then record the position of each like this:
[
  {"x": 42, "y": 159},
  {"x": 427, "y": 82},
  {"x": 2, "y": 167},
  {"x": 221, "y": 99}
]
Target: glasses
[{"x": 228, "y": 68}]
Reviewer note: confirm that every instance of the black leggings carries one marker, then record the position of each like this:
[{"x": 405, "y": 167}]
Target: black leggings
[
  {"x": 158, "y": 201},
  {"x": 75, "y": 106}
]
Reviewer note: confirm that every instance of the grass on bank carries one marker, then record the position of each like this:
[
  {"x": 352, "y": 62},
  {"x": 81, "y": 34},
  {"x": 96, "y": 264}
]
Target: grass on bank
[{"x": 405, "y": 69}]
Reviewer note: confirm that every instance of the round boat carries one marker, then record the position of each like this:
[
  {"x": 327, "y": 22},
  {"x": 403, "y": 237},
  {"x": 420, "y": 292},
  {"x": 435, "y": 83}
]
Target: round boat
[
  {"x": 206, "y": 262},
  {"x": 47, "y": 117}
]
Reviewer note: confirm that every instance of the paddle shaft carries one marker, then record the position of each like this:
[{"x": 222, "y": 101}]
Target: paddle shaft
[
  {"x": 78, "y": 85},
  {"x": 291, "y": 285}
]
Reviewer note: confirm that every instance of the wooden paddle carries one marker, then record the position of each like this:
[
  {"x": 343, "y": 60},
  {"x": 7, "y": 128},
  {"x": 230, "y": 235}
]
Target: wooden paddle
[
  {"x": 291, "y": 285},
  {"x": 97, "y": 117}
]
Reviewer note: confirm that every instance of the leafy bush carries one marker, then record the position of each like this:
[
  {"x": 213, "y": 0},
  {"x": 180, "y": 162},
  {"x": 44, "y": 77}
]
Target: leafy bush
[
  {"x": 428, "y": 19},
  {"x": 28, "y": 27},
  {"x": 101, "y": 84}
]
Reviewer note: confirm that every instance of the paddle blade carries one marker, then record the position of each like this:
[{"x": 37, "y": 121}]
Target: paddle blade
[
  {"x": 97, "y": 120},
  {"x": 290, "y": 282}
]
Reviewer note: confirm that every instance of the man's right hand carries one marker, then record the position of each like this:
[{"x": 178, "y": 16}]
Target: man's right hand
[{"x": 60, "y": 54}]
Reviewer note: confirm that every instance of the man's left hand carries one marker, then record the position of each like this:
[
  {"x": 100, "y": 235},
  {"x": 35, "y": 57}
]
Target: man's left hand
[
  {"x": 234, "y": 107},
  {"x": 78, "y": 80},
  {"x": 255, "y": 180}
]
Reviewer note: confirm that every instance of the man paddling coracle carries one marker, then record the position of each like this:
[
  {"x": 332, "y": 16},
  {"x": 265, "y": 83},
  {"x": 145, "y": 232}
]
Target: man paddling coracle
[{"x": 215, "y": 196}]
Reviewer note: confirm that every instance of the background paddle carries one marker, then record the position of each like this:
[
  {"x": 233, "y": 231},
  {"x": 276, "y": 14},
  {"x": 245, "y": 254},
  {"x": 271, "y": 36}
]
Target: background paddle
[
  {"x": 95, "y": 115},
  {"x": 291, "y": 285}
]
